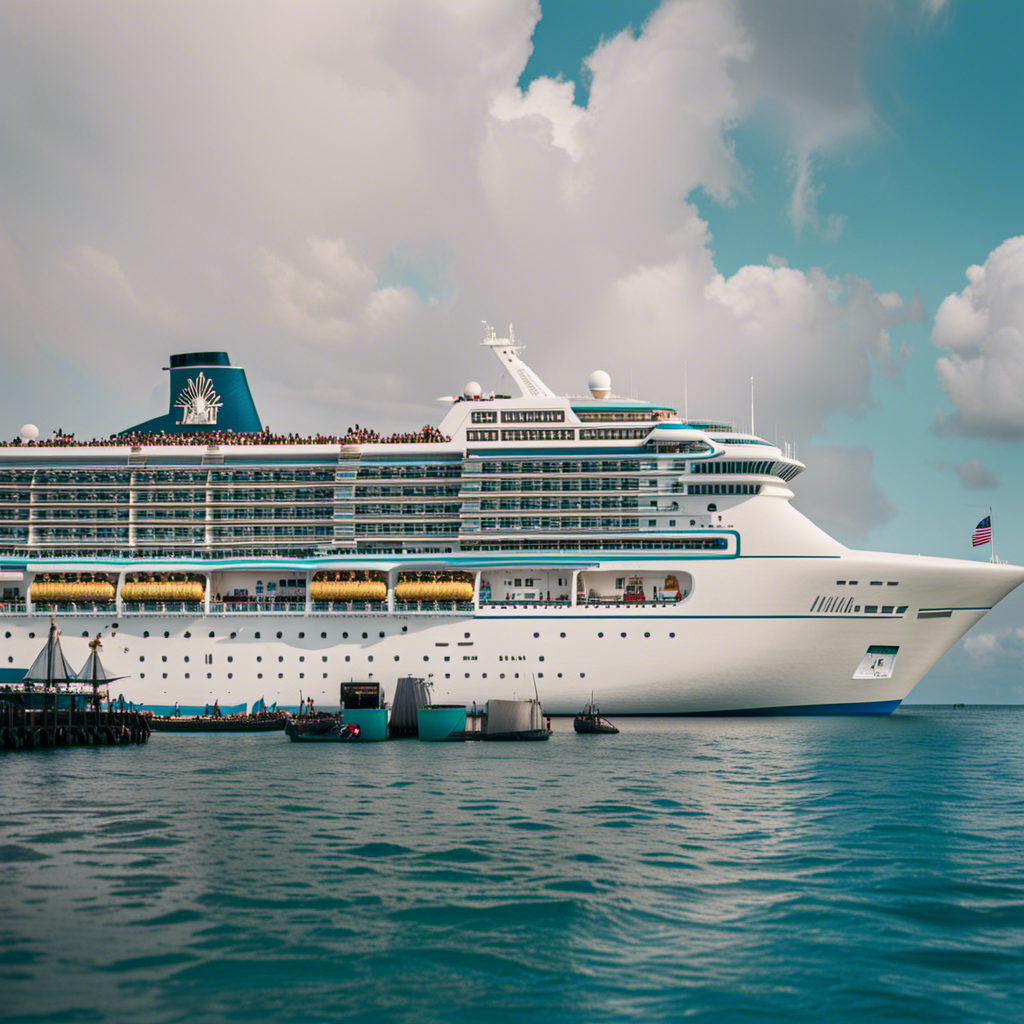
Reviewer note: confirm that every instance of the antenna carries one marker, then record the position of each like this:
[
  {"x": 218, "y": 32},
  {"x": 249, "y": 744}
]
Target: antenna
[
  {"x": 752, "y": 405},
  {"x": 686, "y": 393}
]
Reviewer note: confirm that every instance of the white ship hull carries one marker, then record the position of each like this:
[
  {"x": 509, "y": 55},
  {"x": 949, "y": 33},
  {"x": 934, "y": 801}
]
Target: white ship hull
[{"x": 752, "y": 637}]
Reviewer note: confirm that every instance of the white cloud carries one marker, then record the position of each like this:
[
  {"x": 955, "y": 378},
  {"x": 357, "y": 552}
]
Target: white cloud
[
  {"x": 1004, "y": 645},
  {"x": 838, "y": 492},
  {"x": 983, "y": 329},
  {"x": 973, "y": 475},
  {"x": 262, "y": 173}
]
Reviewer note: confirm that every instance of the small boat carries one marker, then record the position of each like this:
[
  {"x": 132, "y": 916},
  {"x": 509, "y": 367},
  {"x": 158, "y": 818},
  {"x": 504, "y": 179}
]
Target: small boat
[
  {"x": 589, "y": 720},
  {"x": 326, "y": 729},
  {"x": 209, "y": 723}
]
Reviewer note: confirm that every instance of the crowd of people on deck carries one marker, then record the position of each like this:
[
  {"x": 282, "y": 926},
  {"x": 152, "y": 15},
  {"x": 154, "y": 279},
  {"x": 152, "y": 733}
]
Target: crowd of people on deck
[{"x": 354, "y": 435}]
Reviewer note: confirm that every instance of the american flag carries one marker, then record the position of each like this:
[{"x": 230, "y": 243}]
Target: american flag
[{"x": 983, "y": 532}]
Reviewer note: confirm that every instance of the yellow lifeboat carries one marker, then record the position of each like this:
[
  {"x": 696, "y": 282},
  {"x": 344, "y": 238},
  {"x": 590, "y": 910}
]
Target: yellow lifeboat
[
  {"x": 177, "y": 587},
  {"x": 434, "y": 586},
  {"x": 349, "y": 585},
  {"x": 70, "y": 588}
]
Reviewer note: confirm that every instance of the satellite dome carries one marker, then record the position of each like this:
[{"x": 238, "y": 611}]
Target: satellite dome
[
  {"x": 600, "y": 384},
  {"x": 29, "y": 432},
  {"x": 472, "y": 390}
]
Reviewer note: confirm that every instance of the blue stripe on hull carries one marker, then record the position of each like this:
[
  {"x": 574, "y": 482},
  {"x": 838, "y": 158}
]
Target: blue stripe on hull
[{"x": 867, "y": 707}]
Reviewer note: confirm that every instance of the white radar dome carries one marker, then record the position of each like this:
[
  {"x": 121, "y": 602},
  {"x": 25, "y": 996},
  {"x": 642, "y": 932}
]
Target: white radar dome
[
  {"x": 29, "y": 432},
  {"x": 600, "y": 384},
  {"x": 472, "y": 390}
]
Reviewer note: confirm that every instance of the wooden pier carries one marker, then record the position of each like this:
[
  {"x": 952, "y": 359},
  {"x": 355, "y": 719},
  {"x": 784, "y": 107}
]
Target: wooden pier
[{"x": 30, "y": 719}]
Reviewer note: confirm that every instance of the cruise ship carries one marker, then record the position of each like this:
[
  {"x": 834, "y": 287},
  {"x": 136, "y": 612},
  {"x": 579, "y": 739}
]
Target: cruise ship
[{"x": 576, "y": 545}]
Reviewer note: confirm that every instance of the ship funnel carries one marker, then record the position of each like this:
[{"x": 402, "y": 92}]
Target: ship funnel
[{"x": 208, "y": 395}]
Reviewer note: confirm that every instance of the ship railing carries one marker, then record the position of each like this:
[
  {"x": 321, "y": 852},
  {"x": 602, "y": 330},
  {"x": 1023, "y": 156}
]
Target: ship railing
[
  {"x": 376, "y": 607},
  {"x": 562, "y": 603},
  {"x": 436, "y": 607},
  {"x": 162, "y": 608},
  {"x": 256, "y": 607},
  {"x": 618, "y": 602},
  {"x": 13, "y": 608},
  {"x": 73, "y": 607}
]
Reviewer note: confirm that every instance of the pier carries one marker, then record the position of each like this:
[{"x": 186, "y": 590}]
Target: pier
[{"x": 30, "y": 719}]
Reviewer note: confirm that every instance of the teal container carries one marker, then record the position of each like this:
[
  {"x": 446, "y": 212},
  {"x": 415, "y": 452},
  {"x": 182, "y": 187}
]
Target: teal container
[
  {"x": 441, "y": 723},
  {"x": 372, "y": 722}
]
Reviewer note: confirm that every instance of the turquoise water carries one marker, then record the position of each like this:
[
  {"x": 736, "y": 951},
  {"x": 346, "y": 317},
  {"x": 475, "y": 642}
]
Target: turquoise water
[{"x": 741, "y": 869}]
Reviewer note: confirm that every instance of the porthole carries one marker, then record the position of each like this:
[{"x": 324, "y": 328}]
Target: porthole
[
  {"x": 324, "y": 658},
  {"x": 600, "y": 635},
  {"x": 256, "y": 635},
  {"x": 186, "y": 675},
  {"x": 186, "y": 657},
  {"x": 145, "y": 633},
  {"x": 559, "y": 675},
  {"x": 467, "y": 675},
  {"x": 10, "y": 659},
  {"x": 562, "y": 635},
  {"x": 8, "y": 635},
  {"x": 231, "y": 657},
  {"x": 302, "y": 657},
  {"x": 536, "y": 636},
  {"x": 541, "y": 658},
  {"x": 167, "y": 635},
  {"x": 188, "y": 636},
  {"x": 583, "y": 675},
  {"x": 366, "y": 636},
  {"x": 502, "y": 676},
  {"x": 142, "y": 657},
  {"x": 382, "y": 636},
  {"x": 142, "y": 675},
  {"x": 164, "y": 675},
  {"x": 325, "y": 675},
  {"x": 259, "y": 675},
  {"x": 623, "y": 635},
  {"x": 163, "y": 658},
  {"x": 209, "y": 675},
  {"x": 396, "y": 657},
  {"x": 426, "y": 657},
  {"x": 211, "y": 634},
  {"x": 31, "y": 636},
  {"x": 348, "y": 657},
  {"x": 484, "y": 675},
  {"x": 259, "y": 657},
  {"x": 233, "y": 635},
  {"x": 672, "y": 636},
  {"x": 302, "y": 636},
  {"x": 279, "y": 636},
  {"x": 85, "y": 632},
  {"x": 370, "y": 658},
  {"x": 231, "y": 675},
  {"x": 280, "y": 657},
  {"x": 647, "y": 636},
  {"x": 302, "y": 675},
  {"x": 466, "y": 635},
  {"x": 405, "y": 629}
]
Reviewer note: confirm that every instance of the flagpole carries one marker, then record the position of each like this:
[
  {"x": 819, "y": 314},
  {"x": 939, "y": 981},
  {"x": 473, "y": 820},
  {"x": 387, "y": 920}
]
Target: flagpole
[{"x": 992, "y": 556}]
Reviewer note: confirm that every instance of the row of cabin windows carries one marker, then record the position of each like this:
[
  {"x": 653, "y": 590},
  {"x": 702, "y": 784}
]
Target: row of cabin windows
[
  {"x": 724, "y": 488},
  {"x": 759, "y": 468}
]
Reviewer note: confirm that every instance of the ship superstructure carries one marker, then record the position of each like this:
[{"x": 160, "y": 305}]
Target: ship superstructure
[{"x": 593, "y": 544}]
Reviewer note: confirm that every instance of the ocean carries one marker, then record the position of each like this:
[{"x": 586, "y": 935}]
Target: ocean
[{"x": 852, "y": 869}]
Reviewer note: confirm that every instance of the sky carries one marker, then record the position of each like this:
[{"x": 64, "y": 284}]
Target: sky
[{"x": 825, "y": 197}]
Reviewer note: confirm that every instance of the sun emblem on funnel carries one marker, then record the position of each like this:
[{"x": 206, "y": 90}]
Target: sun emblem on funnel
[{"x": 198, "y": 401}]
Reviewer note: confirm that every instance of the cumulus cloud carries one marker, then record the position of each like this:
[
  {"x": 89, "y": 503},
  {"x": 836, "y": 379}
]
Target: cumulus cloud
[
  {"x": 839, "y": 493},
  {"x": 281, "y": 185},
  {"x": 973, "y": 475},
  {"x": 983, "y": 329},
  {"x": 1004, "y": 645}
]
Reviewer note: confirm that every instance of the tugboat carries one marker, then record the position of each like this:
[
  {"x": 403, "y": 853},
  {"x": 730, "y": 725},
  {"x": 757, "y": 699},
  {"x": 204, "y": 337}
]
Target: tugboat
[
  {"x": 589, "y": 720},
  {"x": 321, "y": 729}
]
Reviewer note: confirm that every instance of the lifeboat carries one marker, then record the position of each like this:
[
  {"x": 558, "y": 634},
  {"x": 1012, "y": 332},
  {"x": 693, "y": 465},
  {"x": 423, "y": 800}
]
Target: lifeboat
[
  {"x": 70, "y": 588},
  {"x": 174, "y": 587},
  {"x": 351, "y": 585},
  {"x": 434, "y": 586}
]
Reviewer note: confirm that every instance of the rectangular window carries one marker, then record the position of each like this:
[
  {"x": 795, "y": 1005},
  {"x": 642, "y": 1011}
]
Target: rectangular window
[
  {"x": 481, "y": 435},
  {"x": 538, "y": 435},
  {"x": 871, "y": 609},
  {"x": 489, "y": 416},
  {"x": 533, "y": 416}
]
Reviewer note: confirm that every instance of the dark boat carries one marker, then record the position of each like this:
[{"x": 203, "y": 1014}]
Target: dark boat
[
  {"x": 209, "y": 723},
  {"x": 321, "y": 729},
  {"x": 589, "y": 720}
]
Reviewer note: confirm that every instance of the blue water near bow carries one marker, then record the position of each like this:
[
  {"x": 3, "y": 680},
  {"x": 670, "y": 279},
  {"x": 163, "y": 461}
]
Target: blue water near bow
[{"x": 762, "y": 870}]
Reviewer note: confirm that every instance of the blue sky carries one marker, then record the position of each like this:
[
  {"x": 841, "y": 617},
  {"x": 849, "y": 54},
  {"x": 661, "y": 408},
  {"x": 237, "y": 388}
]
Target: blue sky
[{"x": 726, "y": 188}]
